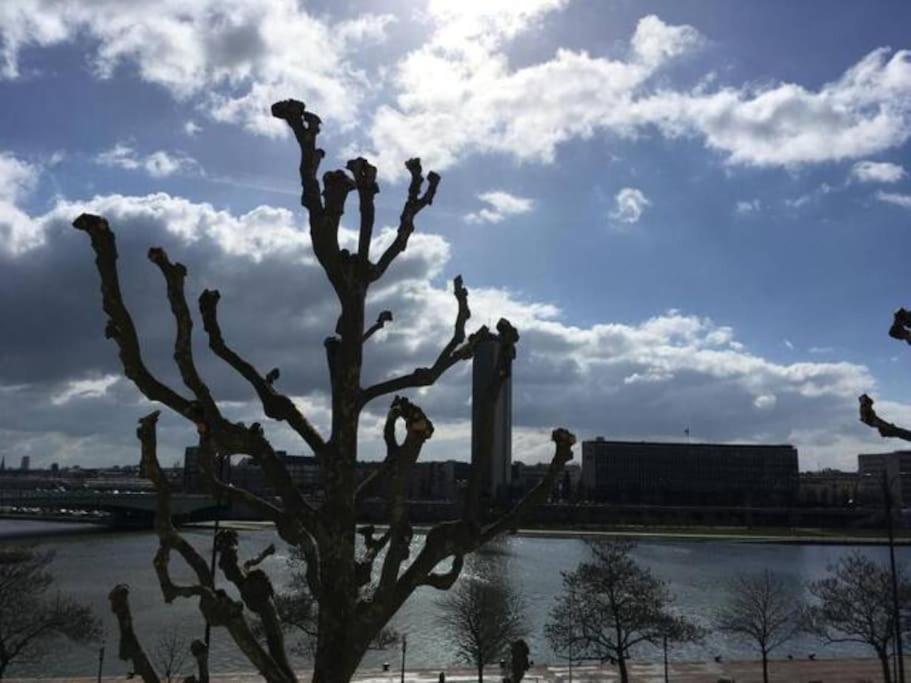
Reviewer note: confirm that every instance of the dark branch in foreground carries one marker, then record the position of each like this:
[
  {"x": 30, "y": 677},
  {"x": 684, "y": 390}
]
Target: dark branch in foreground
[
  {"x": 130, "y": 650},
  {"x": 886, "y": 429}
]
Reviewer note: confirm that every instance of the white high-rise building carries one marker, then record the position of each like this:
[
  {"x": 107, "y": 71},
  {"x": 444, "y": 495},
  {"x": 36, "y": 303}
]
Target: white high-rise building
[{"x": 494, "y": 480}]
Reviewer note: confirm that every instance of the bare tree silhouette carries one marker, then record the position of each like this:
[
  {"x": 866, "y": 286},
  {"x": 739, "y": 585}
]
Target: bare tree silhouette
[
  {"x": 610, "y": 605},
  {"x": 853, "y": 604},
  {"x": 171, "y": 654},
  {"x": 763, "y": 610},
  {"x": 352, "y": 608},
  {"x": 31, "y": 619},
  {"x": 483, "y": 616}
]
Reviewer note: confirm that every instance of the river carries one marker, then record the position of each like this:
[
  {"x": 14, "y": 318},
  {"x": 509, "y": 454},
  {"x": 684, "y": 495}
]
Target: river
[{"x": 89, "y": 562}]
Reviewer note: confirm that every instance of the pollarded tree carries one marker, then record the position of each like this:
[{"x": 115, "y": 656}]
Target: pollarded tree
[
  {"x": 762, "y": 609},
  {"x": 353, "y": 608},
  {"x": 610, "y": 605}
]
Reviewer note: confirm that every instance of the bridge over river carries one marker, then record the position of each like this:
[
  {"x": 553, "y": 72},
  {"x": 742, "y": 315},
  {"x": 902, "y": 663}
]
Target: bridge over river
[{"x": 112, "y": 508}]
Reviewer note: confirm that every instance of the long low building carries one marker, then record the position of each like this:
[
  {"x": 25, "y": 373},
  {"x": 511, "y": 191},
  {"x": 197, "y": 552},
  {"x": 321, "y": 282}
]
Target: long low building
[{"x": 675, "y": 473}]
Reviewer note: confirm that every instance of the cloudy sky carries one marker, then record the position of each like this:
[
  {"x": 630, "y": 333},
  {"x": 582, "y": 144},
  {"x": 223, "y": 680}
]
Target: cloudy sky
[{"x": 696, "y": 213}]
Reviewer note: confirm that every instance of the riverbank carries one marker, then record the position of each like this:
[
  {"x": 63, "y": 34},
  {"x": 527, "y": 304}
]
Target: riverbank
[
  {"x": 658, "y": 533},
  {"x": 737, "y": 534},
  {"x": 856, "y": 670}
]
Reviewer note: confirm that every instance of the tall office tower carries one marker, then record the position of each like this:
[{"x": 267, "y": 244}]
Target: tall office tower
[
  {"x": 492, "y": 358},
  {"x": 26, "y": 463}
]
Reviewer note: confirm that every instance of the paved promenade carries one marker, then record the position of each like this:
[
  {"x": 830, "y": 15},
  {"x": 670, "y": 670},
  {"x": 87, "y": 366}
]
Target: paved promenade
[{"x": 803, "y": 671}]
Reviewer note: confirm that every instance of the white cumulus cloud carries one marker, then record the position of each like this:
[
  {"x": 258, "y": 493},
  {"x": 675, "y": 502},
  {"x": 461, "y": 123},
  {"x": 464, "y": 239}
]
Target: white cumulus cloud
[
  {"x": 158, "y": 164},
  {"x": 629, "y": 203},
  {"x": 877, "y": 172},
  {"x": 17, "y": 180},
  {"x": 896, "y": 198},
  {"x": 84, "y": 388},
  {"x": 500, "y": 205},
  {"x": 233, "y": 56},
  {"x": 456, "y": 99},
  {"x": 748, "y": 206}
]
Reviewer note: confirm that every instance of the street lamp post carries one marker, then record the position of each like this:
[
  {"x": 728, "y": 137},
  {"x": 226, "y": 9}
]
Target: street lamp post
[
  {"x": 404, "y": 647},
  {"x": 896, "y": 614},
  {"x": 572, "y": 620},
  {"x": 100, "y": 660},
  {"x": 221, "y": 475}
]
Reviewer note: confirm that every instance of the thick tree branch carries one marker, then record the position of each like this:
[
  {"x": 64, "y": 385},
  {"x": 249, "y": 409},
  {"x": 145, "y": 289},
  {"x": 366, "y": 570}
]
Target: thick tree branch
[
  {"x": 337, "y": 185},
  {"x": 564, "y": 441},
  {"x": 120, "y": 326},
  {"x": 174, "y": 275},
  {"x": 383, "y": 318},
  {"x": 901, "y": 325},
  {"x": 210, "y": 465},
  {"x": 886, "y": 429},
  {"x": 130, "y": 649},
  {"x": 200, "y": 653},
  {"x": 202, "y": 412},
  {"x": 456, "y": 349},
  {"x": 299, "y": 528},
  {"x": 252, "y": 440},
  {"x": 257, "y": 593},
  {"x": 458, "y": 538},
  {"x": 305, "y": 126},
  {"x": 275, "y": 405},
  {"x": 445, "y": 580},
  {"x": 373, "y": 547},
  {"x": 365, "y": 180},
  {"x": 418, "y": 429},
  {"x": 268, "y": 551},
  {"x": 373, "y": 482},
  {"x": 323, "y": 220},
  {"x": 167, "y": 534},
  {"x": 413, "y": 205},
  {"x": 217, "y": 607}
]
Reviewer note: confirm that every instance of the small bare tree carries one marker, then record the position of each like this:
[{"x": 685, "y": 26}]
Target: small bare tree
[
  {"x": 610, "y": 605},
  {"x": 31, "y": 619},
  {"x": 762, "y": 609},
  {"x": 353, "y": 609},
  {"x": 854, "y": 605},
  {"x": 483, "y": 615},
  {"x": 171, "y": 654}
]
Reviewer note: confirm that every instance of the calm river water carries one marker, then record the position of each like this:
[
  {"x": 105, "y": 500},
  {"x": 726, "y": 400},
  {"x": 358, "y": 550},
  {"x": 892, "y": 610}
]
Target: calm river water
[{"x": 88, "y": 563}]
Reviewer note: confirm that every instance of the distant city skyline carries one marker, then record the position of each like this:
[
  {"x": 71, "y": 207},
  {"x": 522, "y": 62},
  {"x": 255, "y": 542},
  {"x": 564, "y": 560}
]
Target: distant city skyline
[{"x": 696, "y": 214}]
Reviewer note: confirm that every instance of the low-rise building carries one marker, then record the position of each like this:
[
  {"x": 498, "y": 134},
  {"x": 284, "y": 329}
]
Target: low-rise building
[
  {"x": 828, "y": 488},
  {"x": 526, "y": 477},
  {"x": 896, "y": 466},
  {"x": 674, "y": 473}
]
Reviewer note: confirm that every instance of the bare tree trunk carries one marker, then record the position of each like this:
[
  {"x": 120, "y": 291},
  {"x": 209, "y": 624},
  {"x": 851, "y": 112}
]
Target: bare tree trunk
[
  {"x": 765, "y": 667},
  {"x": 480, "y": 672},
  {"x": 621, "y": 665},
  {"x": 883, "y": 655}
]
